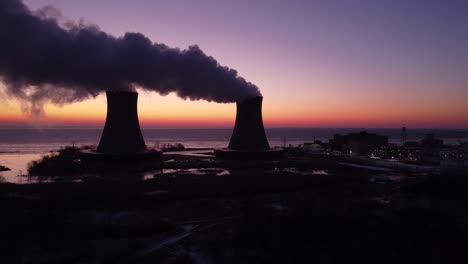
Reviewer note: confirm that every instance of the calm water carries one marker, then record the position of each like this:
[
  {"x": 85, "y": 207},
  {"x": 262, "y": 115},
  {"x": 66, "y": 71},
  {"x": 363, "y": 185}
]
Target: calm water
[{"x": 19, "y": 146}]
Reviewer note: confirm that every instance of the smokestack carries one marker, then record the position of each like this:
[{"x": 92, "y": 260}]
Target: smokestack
[
  {"x": 122, "y": 133},
  {"x": 249, "y": 133}
]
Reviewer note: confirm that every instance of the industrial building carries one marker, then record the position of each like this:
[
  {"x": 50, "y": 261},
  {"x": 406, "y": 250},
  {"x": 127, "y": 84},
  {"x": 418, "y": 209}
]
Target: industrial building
[{"x": 358, "y": 143}]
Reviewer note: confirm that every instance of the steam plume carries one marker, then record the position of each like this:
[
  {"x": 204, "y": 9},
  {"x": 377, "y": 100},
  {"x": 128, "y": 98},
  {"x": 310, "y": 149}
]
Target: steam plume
[{"x": 43, "y": 59}]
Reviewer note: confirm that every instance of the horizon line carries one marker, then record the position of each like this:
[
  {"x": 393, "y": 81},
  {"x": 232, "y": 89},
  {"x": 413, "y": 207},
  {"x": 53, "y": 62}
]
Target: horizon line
[{"x": 227, "y": 127}]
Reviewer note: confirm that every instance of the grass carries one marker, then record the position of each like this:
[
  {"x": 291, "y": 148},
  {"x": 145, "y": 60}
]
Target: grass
[{"x": 64, "y": 162}]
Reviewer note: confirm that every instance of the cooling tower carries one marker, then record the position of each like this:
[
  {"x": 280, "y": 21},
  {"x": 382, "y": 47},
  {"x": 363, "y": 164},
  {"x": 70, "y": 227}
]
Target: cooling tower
[
  {"x": 248, "y": 140},
  {"x": 122, "y": 133},
  {"x": 249, "y": 133},
  {"x": 121, "y": 147}
]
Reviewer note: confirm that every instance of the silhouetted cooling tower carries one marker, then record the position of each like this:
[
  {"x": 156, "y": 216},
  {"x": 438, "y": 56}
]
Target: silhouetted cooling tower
[
  {"x": 249, "y": 133},
  {"x": 122, "y": 147},
  {"x": 248, "y": 140},
  {"x": 122, "y": 133}
]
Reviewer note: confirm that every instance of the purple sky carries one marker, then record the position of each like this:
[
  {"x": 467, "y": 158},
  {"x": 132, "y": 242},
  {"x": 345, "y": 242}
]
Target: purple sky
[{"x": 314, "y": 54}]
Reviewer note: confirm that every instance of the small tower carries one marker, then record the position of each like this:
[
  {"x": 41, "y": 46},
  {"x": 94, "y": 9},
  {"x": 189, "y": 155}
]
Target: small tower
[{"x": 403, "y": 136}]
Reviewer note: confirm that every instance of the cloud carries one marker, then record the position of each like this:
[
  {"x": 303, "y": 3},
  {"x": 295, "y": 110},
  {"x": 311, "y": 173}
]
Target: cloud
[{"x": 46, "y": 58}]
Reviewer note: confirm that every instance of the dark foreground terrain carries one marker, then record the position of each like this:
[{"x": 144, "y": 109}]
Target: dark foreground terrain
[{"x": 350, "y": 215}]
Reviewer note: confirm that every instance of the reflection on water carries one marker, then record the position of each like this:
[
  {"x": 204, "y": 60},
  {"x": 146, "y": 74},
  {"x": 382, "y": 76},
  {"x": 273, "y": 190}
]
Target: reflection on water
[
  {"x": 305, "y": 172},
  {"x": 18, "y": 173},
  {"x": 385, "y": 178},
  {"x": 192, "y": 171},
  {"x": 18, "y": 163},
  {"x": 21, "y": 178},
  {"x": 42, "y": 179}
]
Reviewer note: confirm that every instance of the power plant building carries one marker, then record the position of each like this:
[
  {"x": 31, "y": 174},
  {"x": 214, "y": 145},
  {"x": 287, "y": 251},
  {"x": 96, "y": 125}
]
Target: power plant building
[{"x": 358, "y": 143}]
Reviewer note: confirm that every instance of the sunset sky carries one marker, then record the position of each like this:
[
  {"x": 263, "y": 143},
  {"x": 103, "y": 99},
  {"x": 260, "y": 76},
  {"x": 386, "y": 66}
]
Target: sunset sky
[{"x": 327, "y": 63}]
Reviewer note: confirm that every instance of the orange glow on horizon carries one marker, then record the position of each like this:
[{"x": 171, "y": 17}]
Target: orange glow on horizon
[
  {"x": 336, "y": 119},
  {"x": 171, "y": 111}
]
